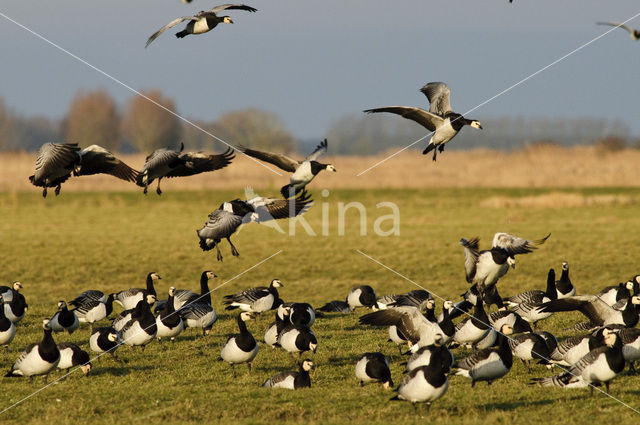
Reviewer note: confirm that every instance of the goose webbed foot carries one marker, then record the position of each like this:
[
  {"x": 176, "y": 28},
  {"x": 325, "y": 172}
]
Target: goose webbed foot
[
  {"x": 58, "y": 187},
  {"x": 234, "y": 251},
  {"x": 441, "y": 148},
  {"x": 219, "y": 255},
  {"x": 44, "y": 192},
  {"x": 435, "y": 151},
  {"x": 146, "y": 188}
]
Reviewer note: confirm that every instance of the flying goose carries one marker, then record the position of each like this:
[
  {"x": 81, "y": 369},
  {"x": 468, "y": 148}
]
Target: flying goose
[
  {"x": 292, "y": 380},
  {"x": 415, "y": 327},
  {"x": 93, "y": 310},
  {"x": 596, "y": 310},
  {"x": 424, "y": 384},
  {"x": 564, "y": 287},
  {"x": 201, "y": 22},
  {"x": 37, "y": 359},
  {"x": 168, "y": 163},
  {"x": 303, "y": 171},
  {"x": 130, "y": 297},
  {"x": 488, "y": 364},
  {"x": 57, "y": 161},
  {"x": 374, "y": 367},
  {"x": 599, "y": 366},
  {"x": 440, "y": 119},
  {"x": 224, "y": 221},
  {"x": 255, "y": 300},
  {"x": 635, "y": 34},
  {"x": 15, "y": 305},
  {"x": 486, "y": 267},
  {"x": 7, "y": 328},
  {"x": 168, "y": 322},
  {"x": 104, "y": 340},
  {"x": 64, "y": 319},
  {"x": 71, "y": 355},
  {"x": 241, "y": 348}
]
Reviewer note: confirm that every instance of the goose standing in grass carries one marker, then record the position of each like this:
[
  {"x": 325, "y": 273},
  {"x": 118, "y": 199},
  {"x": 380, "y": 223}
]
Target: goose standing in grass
[
  {"x": 374, "y": 367},
  {"x": 292, "y": 380},
  {"x": 255, "y": 300},
  {"x": 303, "y": 171},
  {"x": 64, "y": 319},
  {"x": 202, "y": 22},
  {"x": 184, "y": 296},
  {"x": 15, "y": 305},
  {"x": 424, "y": 384},
  {"x": 413, "y": 325},
  {"x": 572, "y": 349},
  {"x": 362, "y": 296},
  {"x": 437, "y": 352},
  {"x": 71, "y": 355},
  {"x": 525, "y": 303},
  {"x": 129, "y": 298},
  {"x": 614, "y": 294},
  {"x": 596, "y": 310},
  {"x": 630, "y": 338},
  {"x": 635, "y": 34},
  {"x": 474, "y": 328},
  {"x": 484, "y": 268},
  {"x": 224, "y": 221},
  {"x": 125, "y": 316},
  {"x": 597, "y": 367},
  {"x": 57, "y": 161},
  {"x": 168, "y": 322},
  {"x": 199, "y": 314},
  {"x": 142, "y": 328},
  {"x": 297, "y": 339},
  {"x": 93, "y": 310},
  {"x": 169, "y": 163},
  {"x": 301, "y": 314},
  {"x": 530, "y": 346},
  {"x": 104, "y": 340},
  {"x": 440, "y": 119},
  {"x": 37, "y": 359},
  {"x": 274, "y": 329},
  {"x": 7, "y": 328},
  {"x": 240, "y": 348},
  {"x": 564, "y": 287},
  {"x": 488, "y": 364}
]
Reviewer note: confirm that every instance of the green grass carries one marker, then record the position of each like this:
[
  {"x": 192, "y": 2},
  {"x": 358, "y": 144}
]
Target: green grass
[{"x": 61, "y": 246}]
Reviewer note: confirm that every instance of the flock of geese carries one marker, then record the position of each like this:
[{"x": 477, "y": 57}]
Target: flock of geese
[{"x": 606, "y": 342}]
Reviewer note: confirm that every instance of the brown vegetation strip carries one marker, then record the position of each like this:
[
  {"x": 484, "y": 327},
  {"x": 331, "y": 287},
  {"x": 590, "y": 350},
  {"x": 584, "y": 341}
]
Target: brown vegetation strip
[{"x": 544, "y": 166}]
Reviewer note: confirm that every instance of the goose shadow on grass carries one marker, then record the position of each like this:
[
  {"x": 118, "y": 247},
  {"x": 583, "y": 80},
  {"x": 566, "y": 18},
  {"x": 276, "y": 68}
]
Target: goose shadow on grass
[
  {"x": 117, "y": 370},
  {"x": 509, "y": 406}
]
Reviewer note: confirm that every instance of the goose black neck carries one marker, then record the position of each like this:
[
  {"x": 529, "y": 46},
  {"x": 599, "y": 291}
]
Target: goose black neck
[
  {"x": 169, "y": 305},
  {"x": 204, "y": 289},
  {"x": 480, "y": 315},
  {"x": 242, "y": 326},
  {"x": 109, "y": 304},
  {"x": 150, "y": 288},
  {"x": 551, "y": 285},
  {"x": 47, "y": 348},
  {"x": 431, "y": 315},
  {"x": 504, "y": 350}
]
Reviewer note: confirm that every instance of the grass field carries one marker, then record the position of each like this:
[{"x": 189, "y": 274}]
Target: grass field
[{"x": 58, "y": 247}]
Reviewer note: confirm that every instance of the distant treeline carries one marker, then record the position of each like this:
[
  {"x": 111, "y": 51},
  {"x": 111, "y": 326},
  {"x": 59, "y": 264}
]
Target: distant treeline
[{"x": 142, "y": 126}]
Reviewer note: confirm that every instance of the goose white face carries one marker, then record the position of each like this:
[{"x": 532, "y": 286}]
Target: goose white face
[
  {"x": 511, "y": 262},
  {"x": 506, "y": 329},
  {"x": 609, "y": 337},
  {"x": 565, "y": 265},
  {"x": 17, "y": 286},
  {"x": 629, "y": 285},
  {"x": 245, "y": 316},
  {"x": 307, "y": 365},
  {"x": 172, "y": 291},
  {"x": 448, "y": 305},
  {"x": 476, "y": 124},
  {"x": 331, "y": 168},
  {"x": 86, "y": 368},
  {"x": 45, "y": 324},
  {"x": 227, "y": 20},
  {"x": 113, "y": 337},
  {"x": 313, "y": 347},
  {"x": 635, "y": 299},
  {"x": 431, "y": 304},
  {"x": 276, "y": 283},
  {"x": 151, "y": 299},
  {"x": 211, "y": 275},
  {"x": 155, "y": 276},
  {"x": 61, "y": 304}
]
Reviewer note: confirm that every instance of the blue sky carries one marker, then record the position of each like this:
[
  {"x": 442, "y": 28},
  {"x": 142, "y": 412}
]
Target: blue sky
[{"x": 311, "y": 62}]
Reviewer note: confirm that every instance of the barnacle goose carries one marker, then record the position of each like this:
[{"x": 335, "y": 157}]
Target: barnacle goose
[
  {"x": 71, "y": 355},
  {"x": 301, "y": 314},
  {"x": 635, "y": 34},
  {"x": 596, "y": 310},
  {"x": 224, "y": 221},
  {"x": 184, "y": 296},
  {"x": 630, "y": 338},
  {"x": 424, "y": 384},
  {"x": 15, "y": 305},
  {"x": 564, "y": 287},
  {"x": 489, "y": 297},
  {"x": 168, "y": 322},
  {"x": 64, "y": 319},
  {"x": 362, "y": 296},
  {"x": 411, "y": 323},
  {"x": 199, "y": 313},
  {"x": 240, "y": 348},
  {"x": 169, "y": 163},
  {"x": 126, "y": 315},
  {"x": 530, "y": 346},
  {"x": 336, "y": 306},
  {"x": 437, "y": 352},
  {"x": 255, "y": 300},
  {"x": 297, "y": 339},
  {"x": 7, "y": 328},
  {"x": 474, "y": 328},
  {"x": 142, "y": 328},
  {"x": 525, "y": 303},
  {"x": 274, "y": 329},
  {"x": 440, "y": 119},
  {"x": 93, "y": 310},
  {"x": 599, "y": 366},
  {"x": 37, "y": 359},
  {"x": 416, "y": 298},
  {"x": 303, "y": 171},
  {"x": 129, "y": 298},
  {"x": 86, "y": 296},
  {"x": 292, "y": 380},
  {"x": 374, "y": 367},
  {"x": 383, "y": 302},
  {"x": 57, "y": 161},
  {"x": 201, "y": 22},
  {"x": 486, "y": 267},
  {"x": 488, "y": 364},
  {"x": 501, "y": 317},
  {"x": 613, "y": 294},
  {"x": 572, "y": 349},
  {"x": 104, "y": 340}
]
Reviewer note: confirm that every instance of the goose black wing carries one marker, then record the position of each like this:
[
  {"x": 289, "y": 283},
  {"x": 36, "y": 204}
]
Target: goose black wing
[
  {"x": 97, "y": 160},
  {"x": 279, "y": 160},
  {"x": 425, "y": 118},
  {"x": 197, "y": 162}
]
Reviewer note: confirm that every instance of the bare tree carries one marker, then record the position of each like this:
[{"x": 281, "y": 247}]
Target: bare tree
[
  {"x": 255, "y": 128},
  {"x": 5, "y": 125},
  {"x": 93, "y": 119},
  {"x": 147, "y": 126}
]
